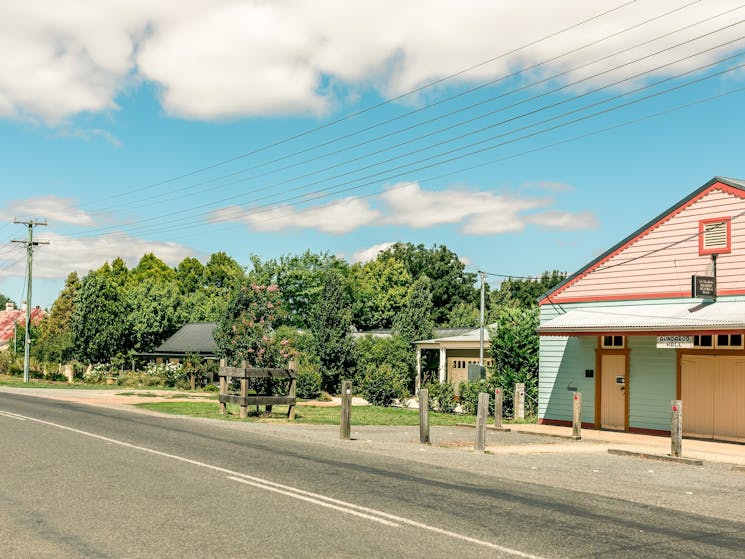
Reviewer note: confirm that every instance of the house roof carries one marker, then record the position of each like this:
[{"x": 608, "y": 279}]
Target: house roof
[
  {"x": 193, "y": 337},
  {"x": 458, "y": 335},
  {"x": 9, "y": 318},
  {"x": 736, "y": 184},
  {"x": 655, "y": 318}
]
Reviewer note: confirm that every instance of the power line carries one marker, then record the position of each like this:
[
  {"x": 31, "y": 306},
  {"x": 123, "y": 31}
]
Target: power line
[
  {"x": 374, "y": 106},
  {"x": 425, "y": 162}
]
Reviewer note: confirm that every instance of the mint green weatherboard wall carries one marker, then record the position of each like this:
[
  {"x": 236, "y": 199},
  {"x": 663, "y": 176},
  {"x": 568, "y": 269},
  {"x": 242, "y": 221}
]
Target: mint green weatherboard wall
[
  {"x": 651, "y": 384},
  {"x": 562, "y": 362}
]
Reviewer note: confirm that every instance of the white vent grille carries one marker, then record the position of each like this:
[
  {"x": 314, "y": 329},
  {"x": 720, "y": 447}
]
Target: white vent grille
[{"x": 715, "y": 235}]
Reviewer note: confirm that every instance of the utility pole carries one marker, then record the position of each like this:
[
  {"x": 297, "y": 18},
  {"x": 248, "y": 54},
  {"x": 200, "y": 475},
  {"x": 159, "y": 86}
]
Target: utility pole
[
  {"x": 481, "y": 320},
  {"x": 30, "y": 244}
]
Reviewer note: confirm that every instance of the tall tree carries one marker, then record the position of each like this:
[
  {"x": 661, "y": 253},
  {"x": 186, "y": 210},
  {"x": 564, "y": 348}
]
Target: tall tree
[
  {"x": 150, "y": 266},
  {"x": 99, "y": 320},
  {"x": 524, "y": 292},
  {"x": 451, "y": 284},
  {"x": 55, "y": 341},
  {"x": 380, "y": 289},
  {"x": 154, "y": 314},
  {"x": 330, "y": 323},
  {"x": 300, "y": 279},
  {"x": 247, "y": 331},
  {"x": 190, "y": 275},
  {"x": 414, "y": 322},
  {"x": 222, "y": 272}
]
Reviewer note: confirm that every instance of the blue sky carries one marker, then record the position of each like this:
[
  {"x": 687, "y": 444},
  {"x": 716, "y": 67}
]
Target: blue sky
[{"x": 552, "y": 130}]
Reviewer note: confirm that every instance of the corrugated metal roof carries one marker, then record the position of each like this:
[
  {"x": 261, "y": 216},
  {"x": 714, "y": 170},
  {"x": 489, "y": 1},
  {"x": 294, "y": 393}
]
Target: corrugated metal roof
[
  {"x": 722, "y": 315},
  {"x": 16, "y": 316},
  {"x": 194, "y": 337}
]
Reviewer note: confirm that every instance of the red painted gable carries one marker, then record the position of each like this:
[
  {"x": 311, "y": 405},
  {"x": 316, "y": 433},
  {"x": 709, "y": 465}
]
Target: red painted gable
[{"x": 657, "y": 261}]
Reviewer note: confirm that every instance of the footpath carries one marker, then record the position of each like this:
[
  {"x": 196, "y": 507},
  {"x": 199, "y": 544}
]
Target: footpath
[{"x": 522, "y": 438}]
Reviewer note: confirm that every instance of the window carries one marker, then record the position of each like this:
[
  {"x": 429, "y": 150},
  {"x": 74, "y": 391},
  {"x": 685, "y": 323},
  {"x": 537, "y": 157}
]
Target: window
[
  {"x": 719, "y": 341},
  {"x": 612, "y": 341},
  {"x": 714, "y": 236}
]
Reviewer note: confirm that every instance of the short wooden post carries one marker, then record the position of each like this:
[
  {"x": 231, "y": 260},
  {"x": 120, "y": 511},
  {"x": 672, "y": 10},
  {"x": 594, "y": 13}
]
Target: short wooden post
[
  {"x": 519, "y": 401},
  {"x": 481, "y": 415},
  {"x": 577, "y": 416},
  {"x": 193, "y": 380},
  {"x": 346, "y": 410},
  {"x": 292, "y": 393},
  {"x": 244, "y": 392},
  {"x": 223, "y": 387},
  {"x": 424, "y": 416},
  {"x": 676, "y": 432},
  {"x": 498, "y": 408}
]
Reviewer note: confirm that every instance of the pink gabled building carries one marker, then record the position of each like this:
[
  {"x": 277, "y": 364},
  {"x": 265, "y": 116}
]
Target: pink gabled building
[
  {"x": 631, "y": 334},
  {"x": 10, "y": 317}
]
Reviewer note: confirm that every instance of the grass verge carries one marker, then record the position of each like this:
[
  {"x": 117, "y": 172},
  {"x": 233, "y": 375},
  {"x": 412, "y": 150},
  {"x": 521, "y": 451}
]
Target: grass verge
[{"x": 317, "y": 415}]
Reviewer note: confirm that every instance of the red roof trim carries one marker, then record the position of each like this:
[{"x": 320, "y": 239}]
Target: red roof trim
[
  {"x": 552, "y": 297},
  {"x": 636, "y": 296}
]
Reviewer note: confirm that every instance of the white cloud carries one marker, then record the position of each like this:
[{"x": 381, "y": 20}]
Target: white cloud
[
  {"x": 213, "y": 60},
  {"x": 370, "y": 253},
  {"x": 408, "y": 205},
  {"x": 52, "y": 208},
  {"x": 338, "y": 217},
  {"x": 564, "y": 220},
  {"x": 65, "y": 254}
]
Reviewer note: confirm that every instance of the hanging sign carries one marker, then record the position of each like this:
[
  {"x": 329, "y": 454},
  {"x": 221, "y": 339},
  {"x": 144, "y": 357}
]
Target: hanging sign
[
  {"x": 674, "y": 342},
  {"x": 704, "y": 287}
]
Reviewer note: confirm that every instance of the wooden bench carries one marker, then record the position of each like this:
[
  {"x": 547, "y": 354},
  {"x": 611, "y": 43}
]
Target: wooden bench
[{"x": 244, "y": 399}]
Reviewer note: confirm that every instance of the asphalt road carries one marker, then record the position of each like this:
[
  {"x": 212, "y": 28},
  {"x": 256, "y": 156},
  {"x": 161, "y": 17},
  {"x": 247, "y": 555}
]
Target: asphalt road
[{"x": 83, "y": 481}]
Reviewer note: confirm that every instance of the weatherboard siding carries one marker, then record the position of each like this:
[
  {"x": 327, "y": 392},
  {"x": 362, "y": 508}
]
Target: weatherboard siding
[
  {"x": 635, "y": 270},
  {"x": 652, "y": 383}
]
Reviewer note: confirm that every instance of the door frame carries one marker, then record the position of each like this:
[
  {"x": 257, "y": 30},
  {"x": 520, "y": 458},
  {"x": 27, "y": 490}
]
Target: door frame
[{"x": 599, "y": 353}]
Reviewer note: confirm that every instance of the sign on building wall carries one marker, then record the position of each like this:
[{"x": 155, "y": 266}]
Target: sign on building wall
[
  {"x": 674, "y": 342},
  {"x": 704, "y": 287}
]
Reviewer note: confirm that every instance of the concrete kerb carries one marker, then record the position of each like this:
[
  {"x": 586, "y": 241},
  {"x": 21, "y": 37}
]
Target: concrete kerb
[{"x": 662, "y": 457}]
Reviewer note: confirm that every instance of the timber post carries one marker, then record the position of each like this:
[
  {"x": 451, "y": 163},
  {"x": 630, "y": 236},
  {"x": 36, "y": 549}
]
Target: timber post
[
  {"x": 498, "y": 408},
  {"x": 481, "y": 415},
  {"x": 346, "y": 410},
  {"x": 577, "y": 416},
  {"x": 676, "y": 431},
  {"x": 519, "y": 400},
  {"x": 424, "y": 416}
]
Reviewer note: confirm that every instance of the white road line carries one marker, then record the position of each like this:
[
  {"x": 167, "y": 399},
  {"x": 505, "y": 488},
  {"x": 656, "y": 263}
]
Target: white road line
[
  {"x": 318, "y": 502},
  {"x": 316, "y": 498},
  {"x": 12, "y": 415}
]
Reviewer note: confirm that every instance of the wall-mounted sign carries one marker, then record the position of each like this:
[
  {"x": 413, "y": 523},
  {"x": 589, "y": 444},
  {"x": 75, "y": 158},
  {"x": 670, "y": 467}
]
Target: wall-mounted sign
[
  {"x": 674, "y": 342},
  {"x": 704, "y": 287}
]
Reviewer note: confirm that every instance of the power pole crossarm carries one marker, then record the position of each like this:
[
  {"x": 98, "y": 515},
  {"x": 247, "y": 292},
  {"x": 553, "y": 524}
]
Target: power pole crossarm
[{"x": 30, "y": 244}]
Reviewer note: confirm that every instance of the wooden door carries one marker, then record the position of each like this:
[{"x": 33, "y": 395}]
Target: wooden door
[
  {"x": 697, "y": 394},
  {"x": 613, "y": 392}
]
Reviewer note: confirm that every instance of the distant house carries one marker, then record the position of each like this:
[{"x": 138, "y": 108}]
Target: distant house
[
  {"x": 660, "y": 316},
  {"x": 12, "y": 317},
  {"x": 191, "y": 338},
  {"x": 458, "y": 348}
]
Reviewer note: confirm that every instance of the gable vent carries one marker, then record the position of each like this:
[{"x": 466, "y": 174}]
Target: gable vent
[{"x": 714, "y": 236}]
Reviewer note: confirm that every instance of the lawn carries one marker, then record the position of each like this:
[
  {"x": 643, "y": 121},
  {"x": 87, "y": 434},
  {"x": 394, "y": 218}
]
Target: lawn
[{"x": 318, "y": 415}]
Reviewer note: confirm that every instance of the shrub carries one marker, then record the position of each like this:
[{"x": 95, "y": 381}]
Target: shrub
[
  {"x": 308, "y": 383},
  {"x": 165, "y": 374},
  {"x": 468, "y": 393},
  {"x": 441, "y": 396},
  {"x": 381, "y": 385}
]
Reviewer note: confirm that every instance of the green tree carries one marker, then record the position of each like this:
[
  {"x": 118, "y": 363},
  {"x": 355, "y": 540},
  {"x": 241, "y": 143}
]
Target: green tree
[
  {"x": 451, "y": 284},
  {"x": 222, "y": 272},
  {"x": 247, "y": 331},
  {"x": 3, "y": 301},
  {"x": 330, "y": 323},
  {"x": 190, "y": 275},
  {"x": 524, "y": 292},
  {"x": 514, "y": 349},
  {"x": 154, "y": 312},
  {"x": 464, "y": 315},
  {"x": 300, "y": 279},
  {"x": 150, "y": 266},
  {"x": 414, "y": 322},
  {"x": 55, "y": 341},
  {"x": 380, "y": 289},
  {"x": 99, "y": 319}
]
